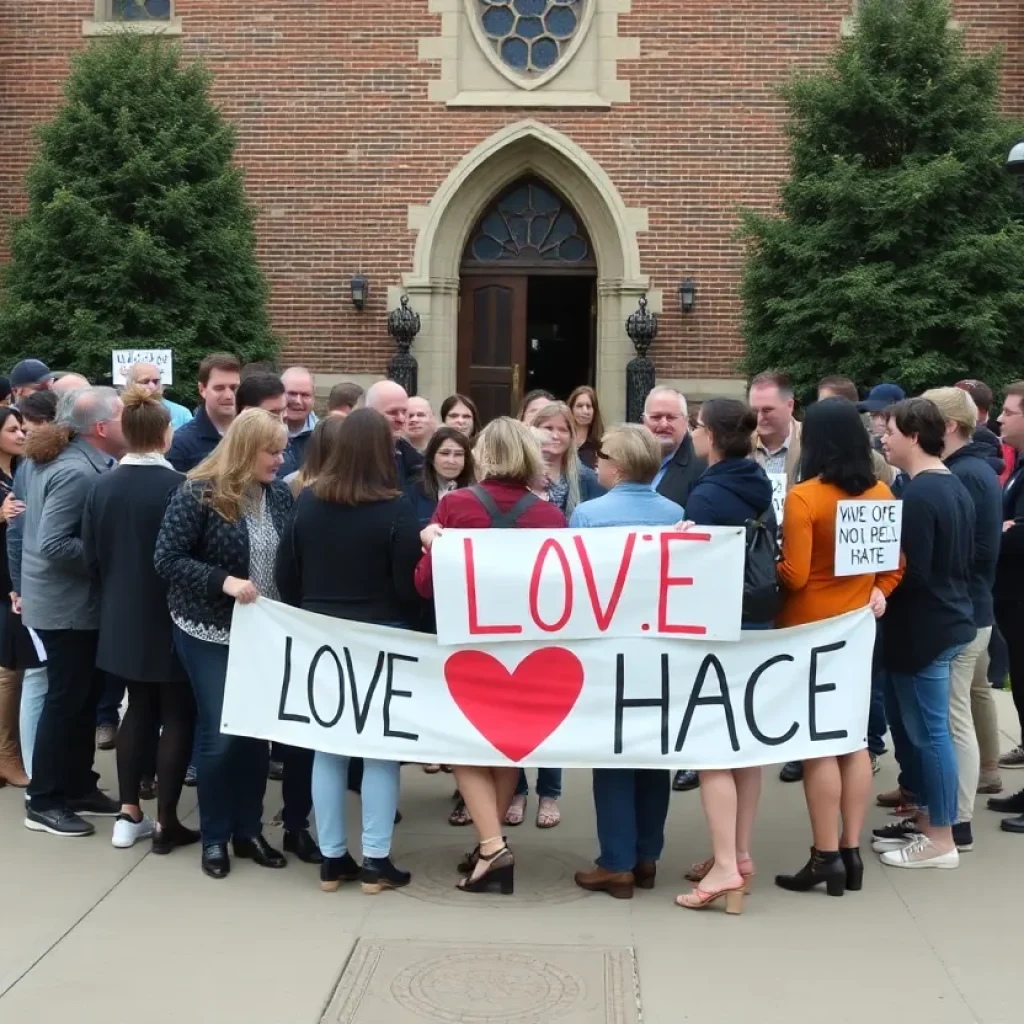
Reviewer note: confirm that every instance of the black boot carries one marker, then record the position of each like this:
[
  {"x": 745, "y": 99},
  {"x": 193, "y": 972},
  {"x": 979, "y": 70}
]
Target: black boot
[
  {"x": 824, "y": 866},
  {"x": 303, "y": 845},
  {"x": 379, "y": 873},
  {"x": 335, "y": 870},
  {"x": 854, "y": 867}
]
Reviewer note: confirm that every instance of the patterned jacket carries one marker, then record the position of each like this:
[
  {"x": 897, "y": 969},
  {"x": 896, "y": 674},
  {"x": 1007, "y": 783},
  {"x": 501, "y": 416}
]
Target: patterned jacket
[{"x": 198, "y": 549}]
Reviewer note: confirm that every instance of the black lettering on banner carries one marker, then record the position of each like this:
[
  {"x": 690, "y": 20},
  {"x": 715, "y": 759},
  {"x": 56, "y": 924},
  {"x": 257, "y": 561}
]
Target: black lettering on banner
[
  {"x": 282, "y": 715},
  {"x": 748, "y": 705},
  {"x": 362, "y": 713},
  {"x": 311, "y": 679},
  {"x": 621, "y": 702},
  {"x": 813, "y": 689},
  {"x": 390, "y": 692},
  {"x": 696, "y": 699}
]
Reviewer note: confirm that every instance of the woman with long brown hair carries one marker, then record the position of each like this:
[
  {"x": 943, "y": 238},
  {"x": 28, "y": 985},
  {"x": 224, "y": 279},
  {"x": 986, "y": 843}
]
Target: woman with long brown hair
[
  {"x": 447, "y": 466},
  {"x": 350, "y": 552},
  {"x": 217, "y": 545},
  {"x": 589, "y": 426},
  {"x": 460, "y": 412}
]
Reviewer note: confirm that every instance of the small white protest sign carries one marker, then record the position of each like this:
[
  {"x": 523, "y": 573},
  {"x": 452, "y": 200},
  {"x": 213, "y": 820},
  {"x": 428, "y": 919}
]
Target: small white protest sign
[
  {"x": 779, "y": 484},
  {"x": 867, "y": 536},
  {"x": 161, "y": 358}
]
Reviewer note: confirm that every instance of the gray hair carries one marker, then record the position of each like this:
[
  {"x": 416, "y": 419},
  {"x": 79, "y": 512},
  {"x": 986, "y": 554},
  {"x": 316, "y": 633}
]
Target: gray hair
[
  {"x": 661, "y": 389},
  {"x": 81, "y": 410}
]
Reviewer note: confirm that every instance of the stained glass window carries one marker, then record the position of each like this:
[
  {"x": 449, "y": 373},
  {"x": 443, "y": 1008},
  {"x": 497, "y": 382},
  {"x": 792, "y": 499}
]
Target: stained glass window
[
  {"x": 530, "y": 36},
  {"x": 530, "y": 224},
  {"x": 141, "y": 10}
]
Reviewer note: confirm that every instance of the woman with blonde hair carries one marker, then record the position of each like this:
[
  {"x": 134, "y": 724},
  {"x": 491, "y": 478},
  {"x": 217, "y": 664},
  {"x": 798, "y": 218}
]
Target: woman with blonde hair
[
  {"x": 589, "y": 425},
  {"x": 217, "y": 545},
  {"x": 508, "y": 462}
]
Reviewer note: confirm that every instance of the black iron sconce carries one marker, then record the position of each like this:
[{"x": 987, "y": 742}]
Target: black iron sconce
[
  {"x": 360, "y": 290},
  {"x": 687, "y": 294}
]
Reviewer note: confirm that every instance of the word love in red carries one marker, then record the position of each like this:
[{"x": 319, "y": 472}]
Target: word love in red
[
  {"x": 575, "y": 585},
  {"x": 515, "y": 711}
]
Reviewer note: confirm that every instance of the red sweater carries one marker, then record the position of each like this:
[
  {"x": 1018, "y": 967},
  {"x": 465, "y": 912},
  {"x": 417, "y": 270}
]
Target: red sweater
[{"x": 460, "y": 510}]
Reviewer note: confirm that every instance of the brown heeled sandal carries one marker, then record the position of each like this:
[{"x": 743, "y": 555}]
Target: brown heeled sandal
[
  {"x": 500, "y": 873},
  {"x": 698, "y": 872},
  {"x": 699, "y": 899}
]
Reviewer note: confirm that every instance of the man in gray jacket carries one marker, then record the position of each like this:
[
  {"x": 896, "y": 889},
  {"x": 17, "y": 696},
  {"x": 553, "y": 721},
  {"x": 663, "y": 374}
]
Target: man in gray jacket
[{"x": 59, "y": 600}]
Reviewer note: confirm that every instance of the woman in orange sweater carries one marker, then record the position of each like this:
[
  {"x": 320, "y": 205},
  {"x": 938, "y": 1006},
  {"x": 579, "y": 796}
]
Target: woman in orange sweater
[{"x": 835, "y": 465}]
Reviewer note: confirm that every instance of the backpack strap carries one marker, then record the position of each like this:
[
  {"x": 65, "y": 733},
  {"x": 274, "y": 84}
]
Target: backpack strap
[{"x": 503, "y": 520}]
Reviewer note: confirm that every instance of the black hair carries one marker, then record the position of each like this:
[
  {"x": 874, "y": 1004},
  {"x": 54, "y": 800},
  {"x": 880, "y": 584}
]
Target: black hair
[
  {"x": 256, "y": 389},
  {"x": 39, "y": 406},
  {"x": 835, "y": 447},
  {"x": 731, "y": 423},
  {"x": 429, "y": 478},
  {"x": 920, "y": 417}
]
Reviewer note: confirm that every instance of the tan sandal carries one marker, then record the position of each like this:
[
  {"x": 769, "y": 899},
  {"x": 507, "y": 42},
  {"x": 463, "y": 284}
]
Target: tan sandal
[
  {"x": 516, "y": 811},
  {"x": 698, "y": 872},
  {"x": 699, "y": 899},
  {"x": 431, "y": 769},
  {"x": 548, "y": 814}
]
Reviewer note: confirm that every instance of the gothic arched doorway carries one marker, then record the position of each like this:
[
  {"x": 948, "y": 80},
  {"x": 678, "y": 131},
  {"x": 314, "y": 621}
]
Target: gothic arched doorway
[{"x": 527, "y": 315}]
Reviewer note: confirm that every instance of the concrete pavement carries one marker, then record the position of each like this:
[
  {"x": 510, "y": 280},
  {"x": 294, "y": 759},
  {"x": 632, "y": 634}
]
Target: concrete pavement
[{"x": 104, "y": 936}]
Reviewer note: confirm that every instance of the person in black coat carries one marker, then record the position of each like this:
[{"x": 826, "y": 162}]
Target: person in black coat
[
  {"x": 350, "y": 552},
  {"x": 665, "y": 416},
  {"x": 217, "y": 545},
  {"x": 120, "y": 523}
]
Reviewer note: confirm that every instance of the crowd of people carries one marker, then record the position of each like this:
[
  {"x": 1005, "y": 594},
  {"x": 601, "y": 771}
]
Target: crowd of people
[{"x": 132, "y": 526}]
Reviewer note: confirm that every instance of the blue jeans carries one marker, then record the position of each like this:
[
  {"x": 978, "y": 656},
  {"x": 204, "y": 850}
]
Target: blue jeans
[
  {"x": 631, "y": 806},
  {"x": 33, "y": 696},
  {"x": 549, "y": 783},
  {"x": 379, "y": 799},
  {"x": 923, "y": 699},
  {"x": 108, "y": 711},
  {"x": 876, "y": 710},
  {"x": 232, "y": 769}
]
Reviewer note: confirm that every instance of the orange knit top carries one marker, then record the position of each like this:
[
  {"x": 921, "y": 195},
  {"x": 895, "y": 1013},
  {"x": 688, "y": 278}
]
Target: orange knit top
[{"x": 811, "y": 590}]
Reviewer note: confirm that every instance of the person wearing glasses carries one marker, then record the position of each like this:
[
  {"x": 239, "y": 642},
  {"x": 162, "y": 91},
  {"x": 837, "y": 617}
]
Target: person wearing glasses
[{"x": 147, "y": 376}]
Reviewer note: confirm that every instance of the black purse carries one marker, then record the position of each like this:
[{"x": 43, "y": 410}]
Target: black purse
[{"x": 762, "y": 594}]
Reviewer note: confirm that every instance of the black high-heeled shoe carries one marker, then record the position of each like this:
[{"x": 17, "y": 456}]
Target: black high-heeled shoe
[
  {"x": 469, "y": 860},
  {"x": 824, "y": 866},
  {"x": 854, "y": 867},
  {"x": 500, "y": 873}
]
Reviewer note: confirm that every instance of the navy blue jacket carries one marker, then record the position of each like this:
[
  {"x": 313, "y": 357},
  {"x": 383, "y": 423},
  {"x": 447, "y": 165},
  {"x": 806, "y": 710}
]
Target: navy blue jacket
[
  {"x": 729, "y": 493},
  {"x": 991, "y": 450},
  {"x": 972, "y": 466},
  {"x": 1010, "y": 574},
  {"x": 193, "y": 442}
]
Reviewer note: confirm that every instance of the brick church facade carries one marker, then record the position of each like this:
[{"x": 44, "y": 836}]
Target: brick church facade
[{"x": 524, "y": 170}]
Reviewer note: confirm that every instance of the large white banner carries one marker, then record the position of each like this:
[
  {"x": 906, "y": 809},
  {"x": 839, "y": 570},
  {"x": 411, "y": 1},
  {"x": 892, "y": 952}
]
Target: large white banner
[
  {"x": 369, "y": 691},
  {"x": 506, "y": 585}
]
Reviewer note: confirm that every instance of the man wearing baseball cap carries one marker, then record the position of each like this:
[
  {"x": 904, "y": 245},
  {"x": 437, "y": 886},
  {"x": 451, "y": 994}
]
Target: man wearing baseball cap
[{"x": 28, "y": 376}]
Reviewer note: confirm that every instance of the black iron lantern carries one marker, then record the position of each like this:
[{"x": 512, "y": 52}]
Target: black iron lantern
[
  {"x": 687, "y": 294},
  {"x": 360, "y": 290},
  {"x": 642, "y": 328},
  {"x": 403, "y": 326}
]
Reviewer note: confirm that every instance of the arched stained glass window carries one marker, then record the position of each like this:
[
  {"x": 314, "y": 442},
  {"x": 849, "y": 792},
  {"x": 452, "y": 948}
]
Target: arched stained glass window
[
  {"x": 530, "y": 224},
  {"x": 531, "y": 36},
  {"x": 142, "y": 10}
]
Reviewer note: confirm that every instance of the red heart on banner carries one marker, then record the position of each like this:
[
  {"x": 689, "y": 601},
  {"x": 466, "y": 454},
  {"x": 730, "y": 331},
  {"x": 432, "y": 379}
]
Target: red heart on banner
[{"x": 515, "y": 711}]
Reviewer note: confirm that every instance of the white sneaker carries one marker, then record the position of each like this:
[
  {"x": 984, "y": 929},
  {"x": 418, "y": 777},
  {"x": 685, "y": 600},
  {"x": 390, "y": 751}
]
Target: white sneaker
[
  {"x": 127, "y": 832},
  {"x": 921, "y": 852}
]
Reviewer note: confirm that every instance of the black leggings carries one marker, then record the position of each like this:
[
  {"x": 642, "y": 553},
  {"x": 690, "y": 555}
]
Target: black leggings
[{"x": 160, "y": 716}]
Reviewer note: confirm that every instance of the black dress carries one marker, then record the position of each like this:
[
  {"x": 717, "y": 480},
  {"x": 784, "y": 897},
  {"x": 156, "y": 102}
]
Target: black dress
[
  {"x": 120, "y": 524},
  {"x": 17, "y": 652}
]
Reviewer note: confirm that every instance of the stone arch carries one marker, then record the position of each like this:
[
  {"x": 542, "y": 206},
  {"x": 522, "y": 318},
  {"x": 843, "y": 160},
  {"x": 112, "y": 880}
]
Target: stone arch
[{"x": 443, "y": 226}]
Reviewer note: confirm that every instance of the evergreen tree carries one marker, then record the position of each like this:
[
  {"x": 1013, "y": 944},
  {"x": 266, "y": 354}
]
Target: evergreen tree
[
  {"x": 898, "y": 254},
  {"x": 138, "y": 232}
]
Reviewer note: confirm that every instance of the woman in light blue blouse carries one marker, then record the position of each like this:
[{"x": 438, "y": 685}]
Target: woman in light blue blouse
[{"x": 631, "y": 804}]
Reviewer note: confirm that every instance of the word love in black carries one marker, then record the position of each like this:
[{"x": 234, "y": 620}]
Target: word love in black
[
  {"x": 712, "y": 688},
  {"x": 337, "y": 677}
]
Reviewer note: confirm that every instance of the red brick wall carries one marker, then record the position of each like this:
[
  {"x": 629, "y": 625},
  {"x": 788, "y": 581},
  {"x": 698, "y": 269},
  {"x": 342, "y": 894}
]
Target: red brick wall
[{"x": 338, "y": 138}]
